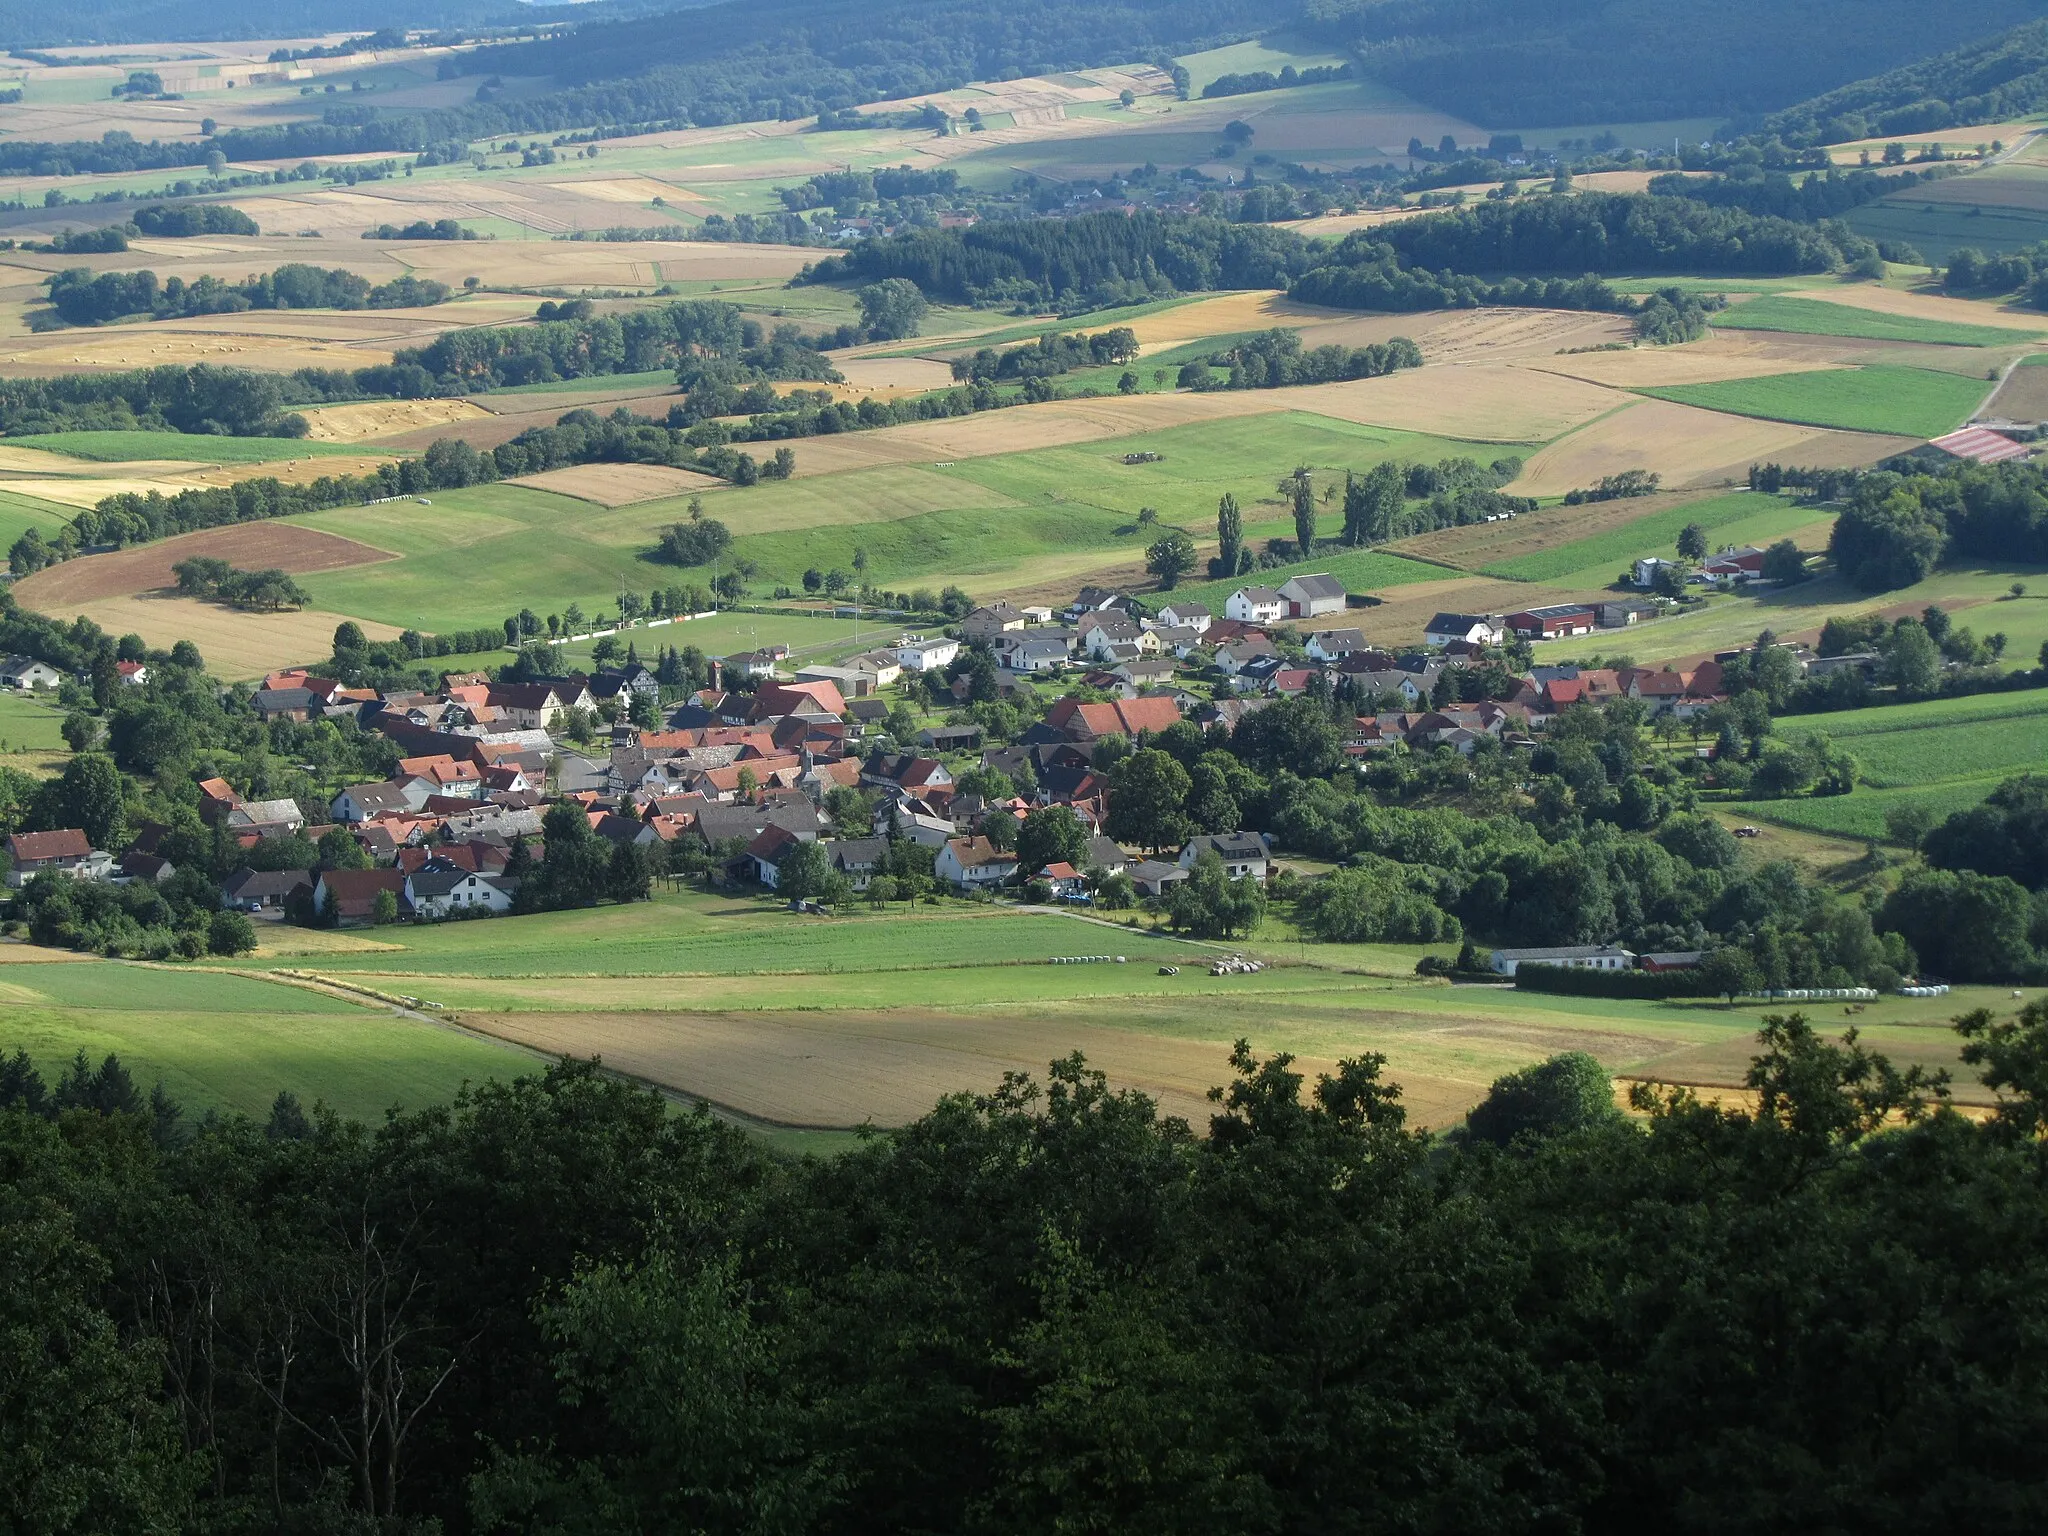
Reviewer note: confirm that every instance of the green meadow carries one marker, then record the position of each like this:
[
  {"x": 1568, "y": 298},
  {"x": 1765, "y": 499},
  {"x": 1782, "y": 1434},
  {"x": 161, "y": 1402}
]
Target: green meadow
[
  {"x": 226, "y": 1042},
  {"x": 1862, "y": 814},
  {"x": 1908, "y": 402},
  {"x": 989, "y": 524},
  {"x": 30, "y": 725},
  {"x": 1800, "y": 611},
  {"x": 19, "y": 513},
  {"x": 1905, "y": 746},
  {"x": 1653, "y": 533},
  {"x": 1361, "y": 570},
  {"x": 695, "y": 935},
  {"x": 1816, "y": 317},
  {"x": 1943, "y": 755}
]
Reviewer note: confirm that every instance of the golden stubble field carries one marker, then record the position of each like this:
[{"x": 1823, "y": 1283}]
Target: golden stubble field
[
  {"x": 133, "y": 591},
  {"x": 619, "y": 485},
  {"x": 1689, "y": 447}
]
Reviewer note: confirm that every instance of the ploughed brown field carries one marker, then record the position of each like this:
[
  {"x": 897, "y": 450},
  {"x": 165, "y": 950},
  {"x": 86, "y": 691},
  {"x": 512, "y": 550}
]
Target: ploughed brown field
[{"x": 61, "y": 589}]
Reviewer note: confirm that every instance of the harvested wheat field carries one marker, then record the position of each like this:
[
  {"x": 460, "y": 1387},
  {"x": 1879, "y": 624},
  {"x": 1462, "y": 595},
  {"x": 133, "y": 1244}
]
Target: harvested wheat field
[
  {"x": 169, "y": 476},
  {"x": 89, "y": 490},
  {"x": 1256, "y": 309},
  {"x": 2023, "y": 396},
  {"x": 384, "y": 418},
  {"x": 1335, "y": 226},
  {"x": 847, "y": 1069},
  {"x": 894, "y": 375},
  {"x": 1690, "y": 447},
  {"x": 155, "y": 345},
  {"x": 1709, "y": 361},
  {"x": 618, "y": 485},
  {"x": 236, "y": 645},
  {"x": 40, "y": 461},
  {"x": 594, "y": 264},
  {"x": 1503, "y": 335},
  {"x": 1058, "y": 423},
  {"x": 293, "y": 471},
  {"x": 1481, "y": 402},
  {"x": 147, "y": 567}
]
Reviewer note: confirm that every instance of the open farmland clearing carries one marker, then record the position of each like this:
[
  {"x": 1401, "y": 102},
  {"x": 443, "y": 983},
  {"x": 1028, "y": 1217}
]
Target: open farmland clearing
[
  {"x": 237, "y": 645},
  {"x": 1807, "y": 316},
  {"x": 1656, "y": 530},
  {"x": 1914, "y": 745},
  {"x": 1911, "y": 402},
  {"x": 373, "y": 419},
  {"x": 281, "y": 545},
  {"x": 850, "y": 1068},
  {"x": 2024, "y": 394},
  {"x": 1690, "y": 446},
  {"x": 1486, "y": 403},
  {"x": 1498, "y": 548},
  {"x": 1933, "y": 307},
  {"x": 618, "y": 485},
  {"x": 1701, "y": 362},
  {"x": 232, "y": 1042}
]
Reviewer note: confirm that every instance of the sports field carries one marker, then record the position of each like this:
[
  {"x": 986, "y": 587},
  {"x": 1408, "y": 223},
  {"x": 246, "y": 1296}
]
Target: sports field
[{"x": 1910, "y": 402}]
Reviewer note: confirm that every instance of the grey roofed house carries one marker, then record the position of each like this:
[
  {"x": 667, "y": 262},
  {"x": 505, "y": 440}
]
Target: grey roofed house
[
  {"x": 1584, "y": 957},
  {"x": 858, "y": 858},
  {"x": 27, "y": 672},
  {"x": 579, "y": 774},
  {"x": 284, "y": 703},
  {"x": 1316, "y": 592},
  {"x": 1152, "y": 877},
  {"x": 1242, "y": 853},
  {"x": 494, "y": 821},
  {"x": 720, "y": 823},
  {"x": 269, "y": 887},
  {"x": 433, "y": 881},
  {"x": 365, "y": 802},
  {"x": 1103, "y": 853},
  {"x": 267, "y": 813}
]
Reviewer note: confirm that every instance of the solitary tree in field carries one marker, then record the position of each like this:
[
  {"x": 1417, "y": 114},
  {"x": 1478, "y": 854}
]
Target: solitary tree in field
[{"x": 1692, "y": 542}]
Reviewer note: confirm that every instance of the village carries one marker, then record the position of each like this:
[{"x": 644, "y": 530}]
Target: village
[{"x": 876, "y": 777}]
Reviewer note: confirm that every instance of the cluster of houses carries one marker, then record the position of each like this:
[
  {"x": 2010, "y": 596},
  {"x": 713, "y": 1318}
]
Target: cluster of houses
[{"x": 741, "y": 773}]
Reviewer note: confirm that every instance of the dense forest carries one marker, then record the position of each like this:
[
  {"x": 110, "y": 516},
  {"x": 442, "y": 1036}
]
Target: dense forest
[
  {"x": 1421, "y": 263},
  {"x": 1775, "y": 195},
  {"x": 557, "y": 1307},
  {"x": 1506, "y": 63},
  {"x": 1992, "y": 81},
  {"x": 1603, "y": 232}
]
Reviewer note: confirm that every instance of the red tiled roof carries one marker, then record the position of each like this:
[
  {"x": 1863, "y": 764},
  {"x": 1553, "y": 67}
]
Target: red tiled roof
[
  {"x": 34, "y": 847},
  {"x": 1981, "y": 446}
]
